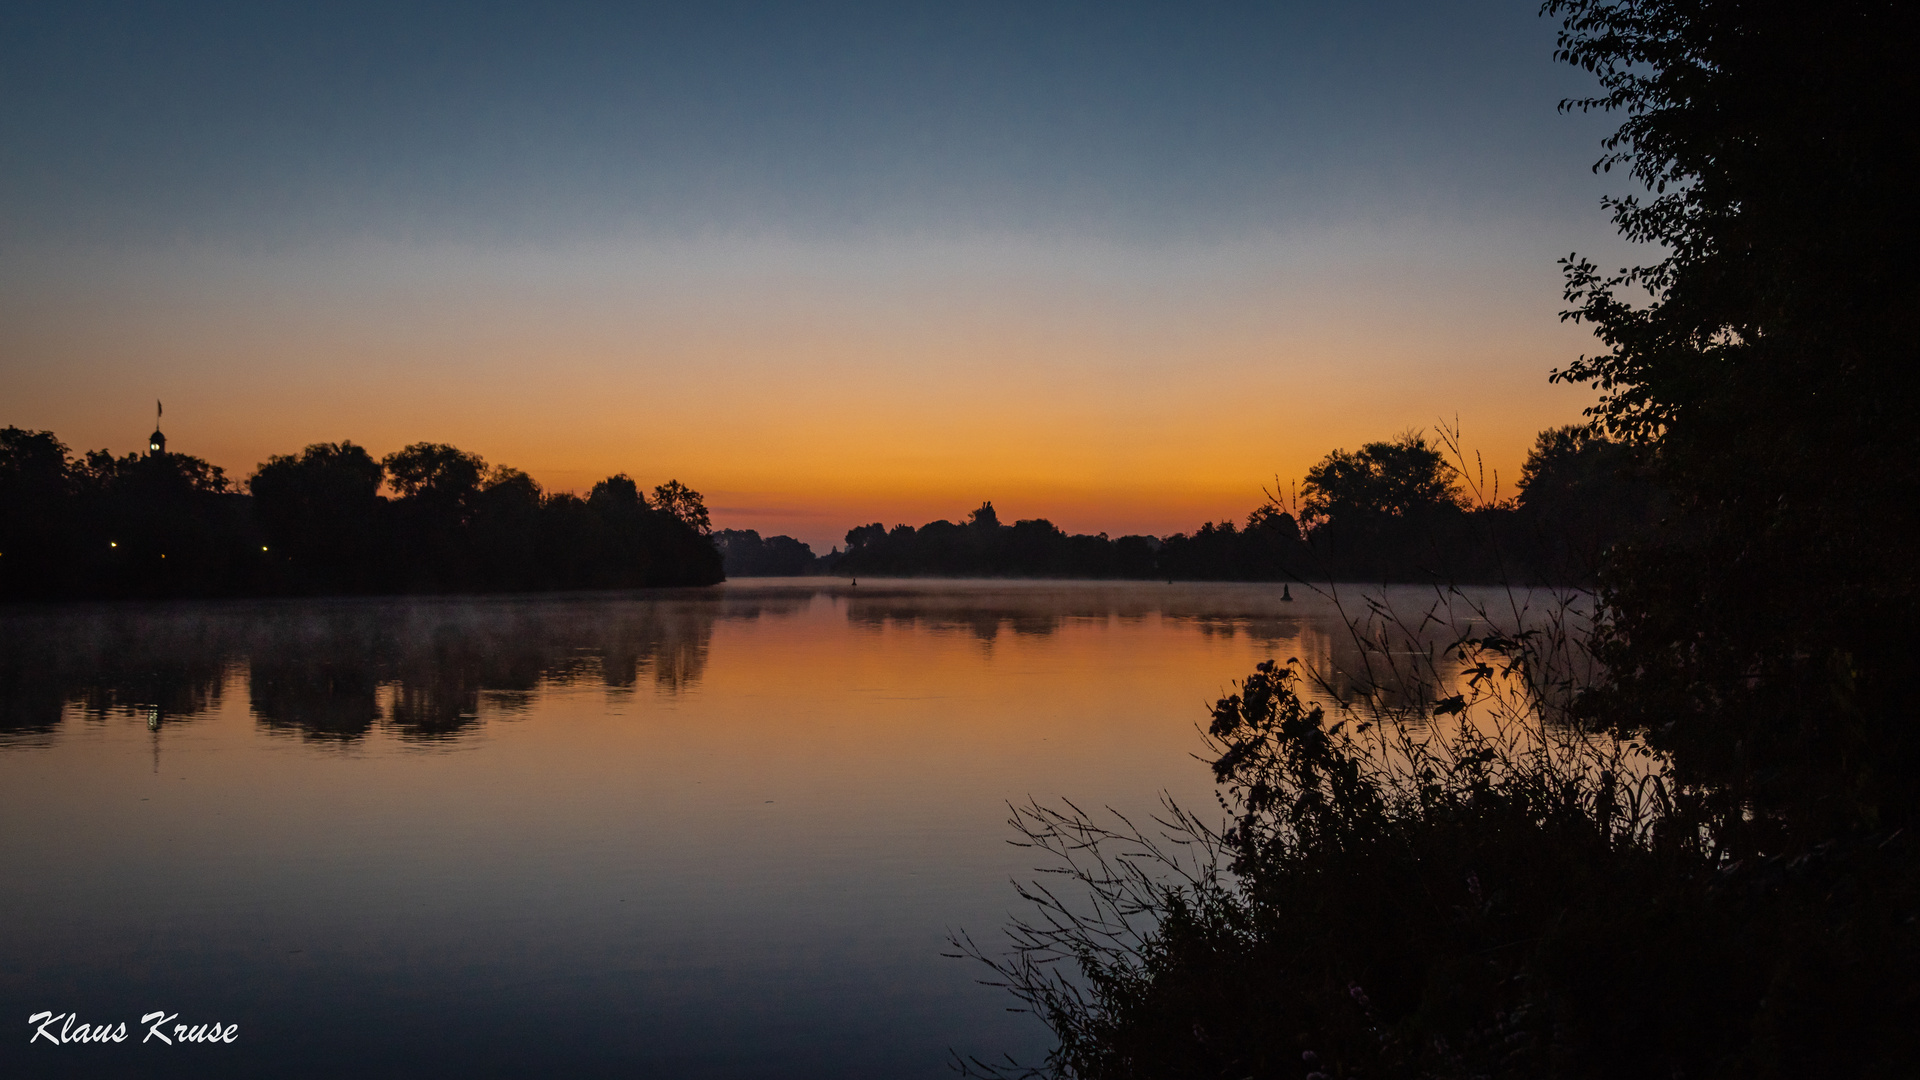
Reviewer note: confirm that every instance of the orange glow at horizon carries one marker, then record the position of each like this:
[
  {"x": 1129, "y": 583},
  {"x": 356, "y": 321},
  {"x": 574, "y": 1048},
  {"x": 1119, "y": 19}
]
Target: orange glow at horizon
[{"x": 807, "y": 390}]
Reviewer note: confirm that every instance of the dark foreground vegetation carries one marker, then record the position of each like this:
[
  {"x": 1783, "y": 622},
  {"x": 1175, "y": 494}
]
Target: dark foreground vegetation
[
  {"x": 329, "y": 520},
  {"x": 1395, "y": 510},
  {"x": 1679, "y": 841}
]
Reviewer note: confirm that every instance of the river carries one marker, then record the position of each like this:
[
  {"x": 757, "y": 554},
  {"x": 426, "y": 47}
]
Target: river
[{"x": 712, "y": 833}]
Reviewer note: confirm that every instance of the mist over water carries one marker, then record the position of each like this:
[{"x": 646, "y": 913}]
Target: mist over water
[{"x": 696, "y": 833}]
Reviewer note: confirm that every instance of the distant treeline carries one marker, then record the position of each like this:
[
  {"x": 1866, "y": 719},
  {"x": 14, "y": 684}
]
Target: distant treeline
[
  {"x": 747, "y": 555},
  {"x": 1394, "y": 510},
  {"x": 331, "y": 519},
  {"x": 432, "y": 518}
]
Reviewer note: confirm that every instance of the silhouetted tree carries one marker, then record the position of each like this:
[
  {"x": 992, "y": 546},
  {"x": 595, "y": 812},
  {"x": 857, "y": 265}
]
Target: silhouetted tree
[
  {"x": 747, "y": 555},
  {"x": 323, "y": 517},
  {"x": 617, "y": 491},
  {"x": 435, "y": 473},
  {"x": 438, "y": 486},
  {"x": 162, "y": 524},
  {"x": 506, "y": 529},
  {"x": 36, "y": 531},
  {"x": 1580, "y": 493},
  {"x": 169, "y": 524},
  {"x": 1394, "y": 509},
  {"x": 1403, "y": 477},
  {"x": 684, "y": 503},
  {"x": 575, "y": 544},
  {"x": 862, "y": 536},
  {"x": 1273, "y": 548},
  {"x": 1767, "y": 359}
]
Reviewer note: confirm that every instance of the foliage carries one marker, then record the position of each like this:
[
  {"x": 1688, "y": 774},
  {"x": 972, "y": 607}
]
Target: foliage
[
  {"x": 435, "y": 473},
  {"x": 746, "y": 554},
  {"x": 1582, "y": 494},
  {"x": 1399, "y": 510},
  {"x": 1403, "y": 477},
  {"x": 684, "y": 503},
  {"x": 322, "y": 510},
  {"x": 1572, "y": 464},
  {"x": 168, "y": 524},
  {"x": 617, "y": 490},
  {"x": 1034, "y": 547},
  {"x": 1270, "y": 548},
  {"x": 34, "y": 478},
  {"x": 1766, "y": 362},
  {"x": 1396, "y": 510},
  {"x": 1775, "y": 139}
]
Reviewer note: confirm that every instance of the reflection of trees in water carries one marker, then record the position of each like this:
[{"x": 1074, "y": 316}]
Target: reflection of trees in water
[
  {"x": 30, "y": 707},
  {"x": 432, "y": 664},
  {"x": 316, "y": 676},
  {"x": 334, "y": 670},
  {"x": 1269, "y": 632},
  {"x": 439, "y": 658},
  {"x": 1039, "y": 610},
  {"x": 1344, "y": 667},
  {"x": 670, "y": 649},
  {"x": 129, "y": 660},
  {"x": 881, "y": 611},
  {"x": 1398, "y": 654},
  {"x": 1384, "y": 665}
]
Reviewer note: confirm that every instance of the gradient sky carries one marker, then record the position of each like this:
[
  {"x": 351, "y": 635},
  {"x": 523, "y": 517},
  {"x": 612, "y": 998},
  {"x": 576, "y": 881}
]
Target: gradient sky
[{"x": 1114, "y": 264}]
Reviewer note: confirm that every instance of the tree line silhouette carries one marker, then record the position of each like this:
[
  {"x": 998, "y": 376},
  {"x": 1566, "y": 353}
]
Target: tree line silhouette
[
  {"x": 1394, "y": 510},
  {"x": 429, "y": 518},
  {"x": 331, "y": 519}
]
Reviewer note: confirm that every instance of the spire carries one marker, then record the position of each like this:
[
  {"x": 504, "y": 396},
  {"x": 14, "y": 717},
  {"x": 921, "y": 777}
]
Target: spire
[{"x": 156, "y": 443}]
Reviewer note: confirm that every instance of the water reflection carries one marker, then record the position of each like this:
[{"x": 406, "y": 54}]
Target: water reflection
[
  {"x": 1040, "y": 609},
  {"x": 334, "y": 671},
  {"x": 106, "y": 661},
  {"x": 1388, "y": 650}
]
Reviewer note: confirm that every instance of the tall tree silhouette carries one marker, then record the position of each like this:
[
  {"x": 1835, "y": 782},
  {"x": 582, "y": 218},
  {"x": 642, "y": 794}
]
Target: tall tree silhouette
[
  {"x": 35, "y": 531},
  {"x": 684, "y": 503},
  {"x": 323, "y": 516},
  {"x": 1402, "y": 477},
  {"x": 1773, "y": 372}
]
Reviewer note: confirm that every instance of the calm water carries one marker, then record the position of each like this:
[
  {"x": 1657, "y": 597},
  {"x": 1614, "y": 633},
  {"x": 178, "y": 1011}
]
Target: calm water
[{"x": 714, "y": 833}]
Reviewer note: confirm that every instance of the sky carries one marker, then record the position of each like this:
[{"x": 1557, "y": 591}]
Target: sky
[{"x": 1118, "y": 265}]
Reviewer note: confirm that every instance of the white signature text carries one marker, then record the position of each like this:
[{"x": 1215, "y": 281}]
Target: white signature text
[{"x": 63, "y": 1028}]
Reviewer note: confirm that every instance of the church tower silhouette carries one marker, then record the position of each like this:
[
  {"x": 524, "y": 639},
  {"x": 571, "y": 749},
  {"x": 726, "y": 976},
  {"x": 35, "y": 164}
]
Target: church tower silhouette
[{"x": 156, "y": 442}]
